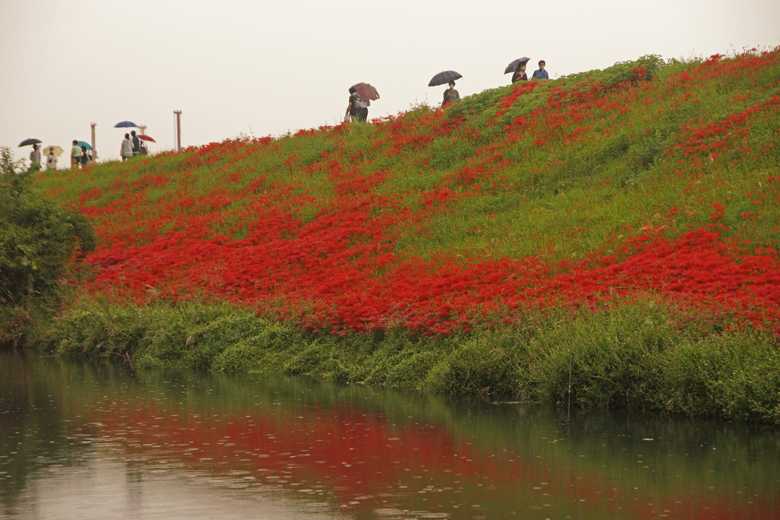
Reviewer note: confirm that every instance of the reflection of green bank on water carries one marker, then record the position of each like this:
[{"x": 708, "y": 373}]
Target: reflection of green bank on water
[
  {"x": 634, "y": 357},
  {"x": 183, "y": 445}
]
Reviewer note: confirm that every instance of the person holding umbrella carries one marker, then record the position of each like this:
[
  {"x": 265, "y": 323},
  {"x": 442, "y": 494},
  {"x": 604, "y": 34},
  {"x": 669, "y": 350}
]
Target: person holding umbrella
[
  {"x": 360, "y": 97},
  {"x": 35, "y": 158},
  {"x": 35, "y": 154},
  {"x": 144, "y": 138},
  {"x": 52, "y": 153},
  {"x": 448, "y": 77},
  {"x": 520, "y": 74},
  {"x": 517, "y": 68},
  {"x": 75, "y": 155}
]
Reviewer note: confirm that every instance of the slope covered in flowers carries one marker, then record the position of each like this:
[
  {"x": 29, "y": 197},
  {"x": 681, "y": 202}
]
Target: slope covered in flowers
[{"x": 648, "y": 178}]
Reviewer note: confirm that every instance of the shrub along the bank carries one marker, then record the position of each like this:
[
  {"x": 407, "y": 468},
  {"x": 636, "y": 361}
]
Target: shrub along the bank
[
  {"x": 37, "y": 240},
  {"x": 635, "y": 356}
]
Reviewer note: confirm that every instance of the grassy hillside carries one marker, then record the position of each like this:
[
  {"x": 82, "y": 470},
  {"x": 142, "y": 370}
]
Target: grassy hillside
[
  {"x": 646, "y": 179},
  {"x": 609, "y": 239}
]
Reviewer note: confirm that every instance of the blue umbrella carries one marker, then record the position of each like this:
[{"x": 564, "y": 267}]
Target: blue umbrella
[
  {"x": 125, "y": 124},
  {"x": 85, "y": 145}
]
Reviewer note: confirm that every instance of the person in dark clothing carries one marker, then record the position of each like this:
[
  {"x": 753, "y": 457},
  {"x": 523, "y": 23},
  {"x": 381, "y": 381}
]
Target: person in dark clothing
[
  {"x": 84, "y": 159},
  {"x": 519, "y": 74},
  {"x": 357, "y": 108},
  {"x": 136, "y": 143}
]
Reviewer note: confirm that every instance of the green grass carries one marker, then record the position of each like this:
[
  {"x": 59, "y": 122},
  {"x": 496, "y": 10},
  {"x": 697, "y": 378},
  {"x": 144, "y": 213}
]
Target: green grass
[
  {"x": 560, "y": 200},
  {"x": 632, "y": 357}
]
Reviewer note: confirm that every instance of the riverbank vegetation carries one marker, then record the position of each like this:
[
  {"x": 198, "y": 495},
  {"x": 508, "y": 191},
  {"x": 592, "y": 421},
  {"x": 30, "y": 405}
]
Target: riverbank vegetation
[
  {"x": 608, "y": 239},
  {"x": 38, "y": 241},
  {"x": 639, "y": 356}
]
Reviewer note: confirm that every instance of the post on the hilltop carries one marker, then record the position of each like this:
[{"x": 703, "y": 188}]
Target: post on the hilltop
[
  {"x": 142, "y": 129},
  {"x": 177, "y": 113},
  {"x": 93, "y": 140}
]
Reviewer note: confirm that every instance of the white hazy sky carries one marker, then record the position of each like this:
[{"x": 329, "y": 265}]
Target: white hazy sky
[{"x": 258, "y": 67}]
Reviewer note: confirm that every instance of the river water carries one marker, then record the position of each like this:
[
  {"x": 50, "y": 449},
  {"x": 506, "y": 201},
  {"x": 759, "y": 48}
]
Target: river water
[{"x": 86, "y": 441}]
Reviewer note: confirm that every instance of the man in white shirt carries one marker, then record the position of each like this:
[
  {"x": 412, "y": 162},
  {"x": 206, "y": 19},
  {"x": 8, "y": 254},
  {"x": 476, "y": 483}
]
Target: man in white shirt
[
  {"x": 126, "y": 151},
  {"x": 75, "y": 155}
]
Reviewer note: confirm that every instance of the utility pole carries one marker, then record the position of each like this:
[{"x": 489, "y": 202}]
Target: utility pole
[
  {"x": 177, "y": 114},
  {"x": 94, "y": 140}
]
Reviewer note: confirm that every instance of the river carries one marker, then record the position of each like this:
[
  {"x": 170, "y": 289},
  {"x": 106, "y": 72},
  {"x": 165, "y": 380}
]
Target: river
[{"x": 95, "y": 441}]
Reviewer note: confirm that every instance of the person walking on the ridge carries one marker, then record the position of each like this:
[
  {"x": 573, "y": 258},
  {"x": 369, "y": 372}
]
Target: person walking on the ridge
[
  {"x": 357, "y": 107},
  {"x": 541, "y": 73},
  {"x": 35, "y": 158},
  {"x": 519, "y": 74},
  {"x": 450, "y": 95},
  {"x": 75, "y": 155},
  {"x": 84, "y": 157},
  {"x": 352, "y": 109},
  {"x": 136, "y": 143},
  {"x": 51, "y": 160},
  {"x": 126, "y": 151}
]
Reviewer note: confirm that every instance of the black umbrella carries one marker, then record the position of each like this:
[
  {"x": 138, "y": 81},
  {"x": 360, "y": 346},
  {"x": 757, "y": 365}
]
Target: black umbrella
[
  {"x": 515, "y": 64},
  {"x": 30, "y": 141},
  {"x": 442, "y": 78},
  {"x": 125, "y": 124}
]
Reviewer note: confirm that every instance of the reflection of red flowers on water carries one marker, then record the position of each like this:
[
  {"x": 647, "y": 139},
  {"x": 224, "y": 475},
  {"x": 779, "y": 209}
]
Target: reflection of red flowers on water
[{"x": 361, "y": 458}]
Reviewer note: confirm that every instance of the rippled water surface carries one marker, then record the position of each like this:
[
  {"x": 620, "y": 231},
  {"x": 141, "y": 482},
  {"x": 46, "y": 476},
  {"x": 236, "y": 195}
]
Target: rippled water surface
[{"x": 87, "y": 441}]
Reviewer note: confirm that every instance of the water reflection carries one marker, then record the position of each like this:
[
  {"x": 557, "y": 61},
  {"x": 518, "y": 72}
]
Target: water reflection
[{"x": 97, "y": 442}]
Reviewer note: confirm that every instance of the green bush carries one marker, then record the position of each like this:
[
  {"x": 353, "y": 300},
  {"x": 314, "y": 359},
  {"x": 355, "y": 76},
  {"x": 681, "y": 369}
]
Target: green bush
[
  {"x": 477, "y": 368},
  {"x": 37, "y": 239},
  {"x": 734, "y": 375},
  {"x": 601, "y": 360}
]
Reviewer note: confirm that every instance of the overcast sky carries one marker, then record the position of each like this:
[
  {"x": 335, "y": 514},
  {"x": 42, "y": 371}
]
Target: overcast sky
[{"x": 256, "y": 67}]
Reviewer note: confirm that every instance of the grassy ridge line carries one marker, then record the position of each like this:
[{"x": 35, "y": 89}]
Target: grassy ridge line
[{"x": 635, "y": 356}]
